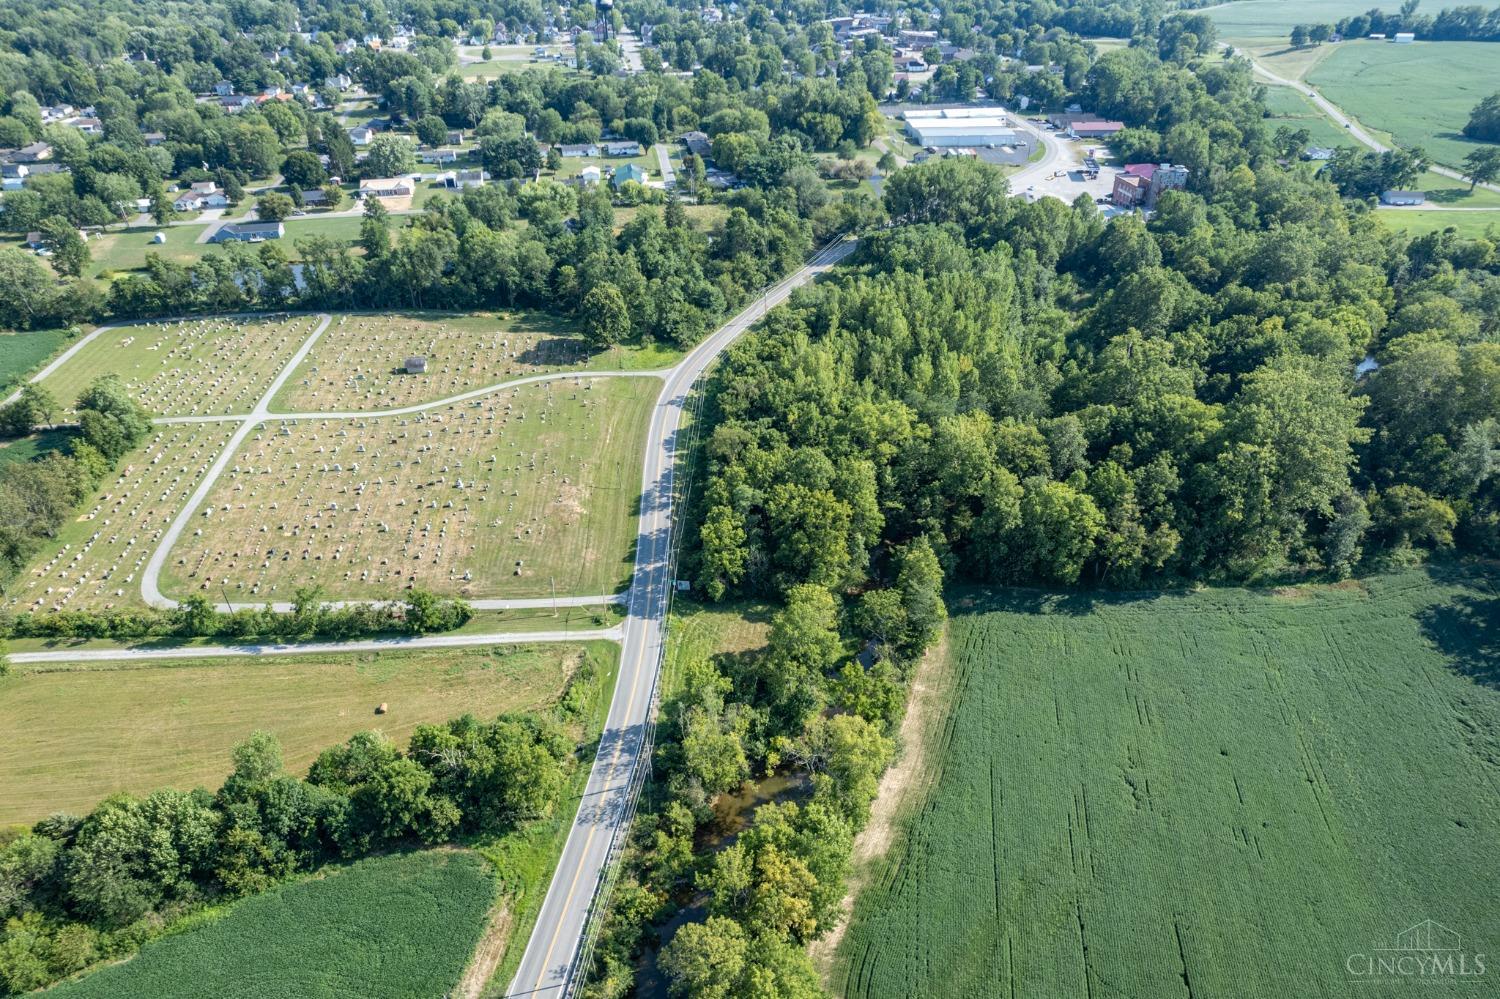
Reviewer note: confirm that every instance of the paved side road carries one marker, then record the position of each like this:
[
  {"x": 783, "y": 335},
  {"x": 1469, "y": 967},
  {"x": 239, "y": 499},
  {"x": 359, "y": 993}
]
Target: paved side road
[
  {"x": 396, "y": 642},
  {"x": 548, "y": 963}
]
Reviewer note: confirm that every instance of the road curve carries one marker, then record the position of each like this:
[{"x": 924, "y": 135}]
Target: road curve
[
  {"x": 548, "y": 964},
  {"x": 1335, "y": 112}
]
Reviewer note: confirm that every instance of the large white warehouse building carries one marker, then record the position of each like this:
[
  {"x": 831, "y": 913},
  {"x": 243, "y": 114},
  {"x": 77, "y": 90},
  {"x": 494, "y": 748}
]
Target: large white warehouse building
[{"x": 960, "y": 127}]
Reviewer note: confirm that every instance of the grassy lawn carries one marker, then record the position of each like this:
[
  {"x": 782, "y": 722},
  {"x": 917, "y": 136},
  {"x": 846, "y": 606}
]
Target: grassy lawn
[
  {"x": 33, "y": 446},
  {"x": 1469, "y": 224},
  {"x": 342, "y": 227},
  {"x": 1420, "y": 94},
  {"x": 76, "y": 734},
  {"x": 94, "y": 561},
  {"x": 504, "y": 495},
  {"x": 1447, "y": 191},
  {"x": 390, "y": 927},
  {"x": 1223, "y": 793},
  {"x": 122, "y": 250},
  {"x": 699, "y": 631},
  {"x": 196, "y": 367},
  {"x": 572, "y": 166},
  {"x": 1294, "y": 110},
  {"x": 23, "y": 353}
]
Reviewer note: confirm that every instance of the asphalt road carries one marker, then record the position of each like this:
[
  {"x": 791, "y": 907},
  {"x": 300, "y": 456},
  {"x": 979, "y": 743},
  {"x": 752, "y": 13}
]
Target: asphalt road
[{"x": 548, "y": 963}]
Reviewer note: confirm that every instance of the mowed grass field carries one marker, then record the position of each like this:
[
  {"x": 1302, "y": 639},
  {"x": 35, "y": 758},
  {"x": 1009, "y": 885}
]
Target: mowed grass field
[
  {"x": 192, "y": 367},
  {"x": 505, "y": 495},
  {"x": 393, "y": 927},
  {"x": 1293, "y": 110},
  {"x": 75, "y": 735},
  {"x": 1420, "y": 94},
  {"x": 1468, "y": 224},
  {"x": 1216, "y": 794}
]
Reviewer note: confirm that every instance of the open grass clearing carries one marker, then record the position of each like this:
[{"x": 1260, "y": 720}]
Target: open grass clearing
[
  {"x": 216, "y": 366},
  {"x": 1471, "y": 225},
  {"x": 95, "y": 561},
  {"x": 1420, "y": 94},
  {"x": 120, "y": 250},
  {"x": 1225, "y": 793},
  {"x": 78, "y": 733},
  {"x": 33, "y": 446},
  {"x": 394, "y": 927},
  {"x": 699, "y": 631},
  {"x": 23, "y": 353},
  {"x": 507, "y": 495},
  {"x": 1442, "y": 190}
]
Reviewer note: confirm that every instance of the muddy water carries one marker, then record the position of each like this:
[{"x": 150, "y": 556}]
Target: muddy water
[{"x": 732, "y": 813}]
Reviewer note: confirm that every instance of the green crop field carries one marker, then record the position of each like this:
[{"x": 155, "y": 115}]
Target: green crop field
[
  {"x": 1276, "y": 18},
  {"x": 22, "y": 353},
  {"x": 1226, "y": 793},
  {"x": 384, "y": 928},
  {"x": 1420, "y": 94},
  {"x": 75, "y": 735}
]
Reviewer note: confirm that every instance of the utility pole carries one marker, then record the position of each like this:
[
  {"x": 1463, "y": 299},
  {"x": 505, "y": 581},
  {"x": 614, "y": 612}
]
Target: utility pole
[{"x": 553, "y": 579}]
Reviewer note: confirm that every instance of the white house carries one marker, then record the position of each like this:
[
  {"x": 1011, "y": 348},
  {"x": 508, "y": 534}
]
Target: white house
[
  {"x": 1404, "y": 38},
  {"x": 386, "y": 187},
  {"x": 361, "y": 136},
  {"x": 438, "y": 155}
]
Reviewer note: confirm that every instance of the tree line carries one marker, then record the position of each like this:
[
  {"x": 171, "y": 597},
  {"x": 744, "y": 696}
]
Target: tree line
[
  {"x": 77, "y": 890},
  {"x": 1469, "y": 22}
]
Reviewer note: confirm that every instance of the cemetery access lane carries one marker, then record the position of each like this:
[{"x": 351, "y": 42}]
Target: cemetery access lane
[
  {"x": 550, "y": 962},
  {"x": 394, "y": 642},
  {"x": 371, "y": 414}
]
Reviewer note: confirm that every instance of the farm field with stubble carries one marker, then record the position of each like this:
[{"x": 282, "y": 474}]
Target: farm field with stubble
[
  {"x": 392, "y": 927},
  {"x": 1224, "y": 793}
]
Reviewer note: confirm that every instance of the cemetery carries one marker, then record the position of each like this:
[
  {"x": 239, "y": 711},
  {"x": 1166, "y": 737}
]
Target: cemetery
[
  {"x": 508, "y": 494},
  {"x": 517, "y": 490},
  {"x": 96, "y": 562},
  {"x": 218, "y": 366},
  {"x": 359, "y": 362}
]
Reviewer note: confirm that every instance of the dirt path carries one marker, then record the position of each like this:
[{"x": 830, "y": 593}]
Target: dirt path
[
  {"x": 487, "y": 955},
  {"x": 903, "y": 785}
]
